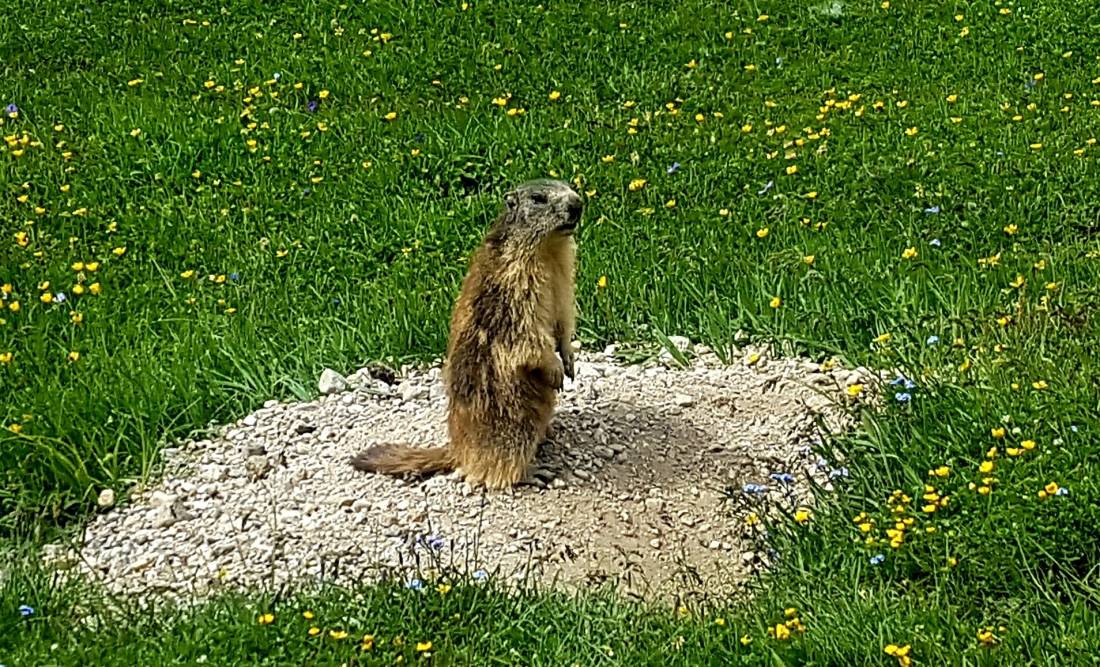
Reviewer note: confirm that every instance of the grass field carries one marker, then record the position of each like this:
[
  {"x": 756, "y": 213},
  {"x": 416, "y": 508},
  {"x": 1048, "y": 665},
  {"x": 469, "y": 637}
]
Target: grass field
[{"x": 203, "y": 204}]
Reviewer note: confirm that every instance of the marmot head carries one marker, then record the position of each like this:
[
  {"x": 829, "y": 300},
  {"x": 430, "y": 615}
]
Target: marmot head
[{"x": 536, "y": 211}]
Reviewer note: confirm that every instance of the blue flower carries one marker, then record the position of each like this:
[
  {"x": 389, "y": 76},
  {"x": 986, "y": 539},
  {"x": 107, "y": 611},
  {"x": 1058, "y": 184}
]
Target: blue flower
[
  {"x": 877, "y": 559},
  {"x": 276, "y": 76},
  {"x": 481, "y": 575},
  {"x": 1062, "y": 491},
  {"x": 25, "y": 610},
  {"x": 932, "y": 210},
  {"x": 11, "y": 109},
  {"x": 903, "y": 397},
  {"x": 932, "y": 340},
  {"x": 415, "y": 584},
  {"x": 234, "y": 276},
  {"x": 935, "y": 243},
  {"x": 312, "y": 106},
  {"x": 60, "y": 297},
  {"x": 767, "y": 186},
  {"x": 434, "y": 541},
  {"x": 838, "y": 472},
  {"x": 784, "y": 477},
  {"x": 754, "y": 488},
  {"x": 673, "y": 168}
]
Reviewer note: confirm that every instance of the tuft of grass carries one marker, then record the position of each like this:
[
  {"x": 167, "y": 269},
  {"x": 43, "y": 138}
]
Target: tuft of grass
[{"x": 222, "y": 242}]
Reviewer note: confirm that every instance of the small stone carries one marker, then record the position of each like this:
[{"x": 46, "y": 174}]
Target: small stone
[
  {"x": 557, "y": 483},
  {"x": 302, "y": 428},
  {"x": 654, "y": 504},
  {"x": 683, "y": 400},
  {"x": 681, "y": 343},
  {"x": 413, "y": 393},
  {"x": 605, "y": 452},
  {"x": 161, "y": 499},
  {"x": 106, "y": 499},
  {"x": 249, "y": 421},
  {"x": 714, "y": 545},
  {"x": 163, "y": 517},
  {"x": 331, "y": 382},
  {"x": 581, "y": 473},
  {"x": 655, "y": 543}
]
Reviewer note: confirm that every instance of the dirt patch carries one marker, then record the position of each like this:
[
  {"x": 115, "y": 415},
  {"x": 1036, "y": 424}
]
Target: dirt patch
[{"x": 648, "y": 482}]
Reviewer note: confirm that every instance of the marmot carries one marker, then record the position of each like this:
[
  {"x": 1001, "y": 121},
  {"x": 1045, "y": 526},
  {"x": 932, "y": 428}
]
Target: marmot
[{"x": 509, "y": 346}]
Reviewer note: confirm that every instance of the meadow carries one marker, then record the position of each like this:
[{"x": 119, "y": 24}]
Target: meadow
[{"x": 202, "y": 205}]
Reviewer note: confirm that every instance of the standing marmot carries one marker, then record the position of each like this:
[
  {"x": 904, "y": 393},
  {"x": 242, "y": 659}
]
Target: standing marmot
[{"x": 513, "y": 317}]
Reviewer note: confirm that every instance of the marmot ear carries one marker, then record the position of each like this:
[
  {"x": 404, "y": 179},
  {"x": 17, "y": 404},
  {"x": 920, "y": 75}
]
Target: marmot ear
[{"x": 511, "y": 199}]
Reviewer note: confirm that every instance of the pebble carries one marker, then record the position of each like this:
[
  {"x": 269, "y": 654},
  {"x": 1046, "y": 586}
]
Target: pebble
[
  {"x": 331, "y": 382},
  {"x": 106, "y": 499}
]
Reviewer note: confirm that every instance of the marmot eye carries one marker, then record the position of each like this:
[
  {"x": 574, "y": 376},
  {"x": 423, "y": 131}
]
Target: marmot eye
[{"x": 539, "y": 198}]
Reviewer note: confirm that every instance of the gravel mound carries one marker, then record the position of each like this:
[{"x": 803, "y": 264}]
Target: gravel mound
[{"x": 651, "y": 481}]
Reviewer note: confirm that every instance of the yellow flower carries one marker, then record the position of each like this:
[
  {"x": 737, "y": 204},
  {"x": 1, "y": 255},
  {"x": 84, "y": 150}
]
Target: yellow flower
[
  {"x": 1035, "y": 146},
  {"x": 909, "y": 253},
  {"x": 15, "y": 428},
  {"x": 6, "y": 357},
  {"x": 368, "y": 642},
  {"x": 266, "y": 619},
  {"x": 95, "y": 288},
  {"x": 1039, "y": 385},
  {"x": 792, "y": 170},
  {"x": 746, "y": 640},
  {"x": 323, "y": 94},
  {"x": 746, "y": 128},
  {"x": 76, "y": 317},
  {"x": 554, "y": 95},
  {"x": 189, "y": 273},
  {"x": 808, "y": 259},
  {"x": 135, "y": 132},
  {"x": 699, "y": 118},
  {"x": 780, "y": 631},
  {"x": 753, "y": 358},
  {"x": 390, "y": 116},
  {"x": 775, "y": 302},
  {"x": 762, "y": 232},
  {"x": 985, "y": 467},
  {"x": 443, "y": 589},
  {"x": 422, "y": 647},
  {"x": 337, "y": 634},
  {"x": 1018, "y": 282},
  {"x": 1051, "y": 488},
  {"x": 14, "y": 307},
  {"x": 1011, "y": 229},
  {"x": 78, "y": 289},
  {"x": 134, "y": 82},
  {"x": 602, "y": 282},
  {"x": 6, "y": 288},
  {"x": 911, "y": 132},
  {"x": 882, "y": 338},
  {"x": 1028, "y": 445},
  {"x": 119, "y": 251},
  {"x": 307, "y": 615},
  {"x": 73, "y": 356},
  {"x": 46, "y": 297},
  {"x": 314, "y": 631},
  {"x": 802, "y": 515},
  {"x": 998, "y": 432}
]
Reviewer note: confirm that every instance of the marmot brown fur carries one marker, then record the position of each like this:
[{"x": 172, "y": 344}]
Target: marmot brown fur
[{"x": 509, "y": 346}]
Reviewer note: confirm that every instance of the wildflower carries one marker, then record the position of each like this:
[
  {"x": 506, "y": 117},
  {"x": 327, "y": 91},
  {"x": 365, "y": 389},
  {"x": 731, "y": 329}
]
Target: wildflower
[
  {"x": 423, "y": 647},
  {"x": 673, "y": 168},
  {"x": 1039, "y": 385},
  {"x": 5, "y": 357},
  {"x": 314, "y": 631},
  {"x": 997, "y": 432},
  {"x": 135, "y": 82},
  {"x": 266, "y": 619},
  {"x": 854, "y": 390},
  {"x": 338, "y": 634},
  {"x": 903, "y": 397},
  {"x": 25, "y": 610},
  {"x": 307, "y": 615},
  {"x": 935, "y": 243},
  {"x": 745, "y": 640},
  {"x": 480, "y": 575},
  {"x": 802, "y": 515},
  {"x": 367, "y": 643},
  {"x": 119, "y": 251},
  {"x": 775, "y": 302},
  {"x": 1028, "y": 445},
  {"x": 784, "y": 477},
  {"x": 767, "y": 186},
  {"x": 882, "y": 338},
  {"x": 414, "y": 584},
  {"x": 95, "y": 288},
  {"x": 636, "y": 184},
  {"x": 14, "y": 306},
  {"x": 554, "y": 95},
  {"x": 73, "y": 356},
  {"x": 780, "y": 632},
  {"x": 602, "y": 282},
  {"x": 877, "y": 559},
  {"x": 136, "y": 132},
  {"x": 390, "y": 116},
  {"x": 909, "y": 253},
  {"x": 762, "y": 232},
  {"x": 932, "y": 210}
]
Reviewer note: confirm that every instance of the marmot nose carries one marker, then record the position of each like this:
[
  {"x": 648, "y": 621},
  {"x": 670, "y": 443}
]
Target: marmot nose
[{"x": 573, "y": 210}]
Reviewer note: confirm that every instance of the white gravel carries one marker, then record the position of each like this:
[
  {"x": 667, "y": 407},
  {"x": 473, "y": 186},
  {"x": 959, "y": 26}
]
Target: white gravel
[{"x": 642, "y": 485}]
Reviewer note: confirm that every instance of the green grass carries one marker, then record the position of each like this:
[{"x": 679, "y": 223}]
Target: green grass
[{"x": 364, "y": 264}]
